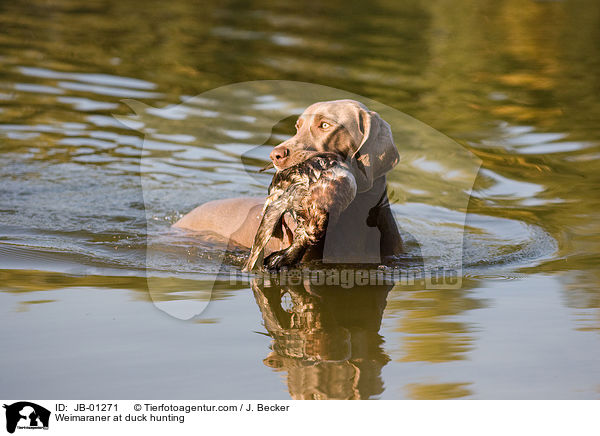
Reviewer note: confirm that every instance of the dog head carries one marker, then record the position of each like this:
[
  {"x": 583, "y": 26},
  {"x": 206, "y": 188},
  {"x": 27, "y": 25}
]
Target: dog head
[{"x": 345, "y": 127}]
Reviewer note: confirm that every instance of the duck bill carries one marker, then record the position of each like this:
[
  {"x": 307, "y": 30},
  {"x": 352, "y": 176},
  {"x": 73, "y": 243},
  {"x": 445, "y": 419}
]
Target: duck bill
[{"x": 267, "y": 167}]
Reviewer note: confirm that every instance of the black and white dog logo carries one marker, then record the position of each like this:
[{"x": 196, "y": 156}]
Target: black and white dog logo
[{"x": 26, "y": 415}]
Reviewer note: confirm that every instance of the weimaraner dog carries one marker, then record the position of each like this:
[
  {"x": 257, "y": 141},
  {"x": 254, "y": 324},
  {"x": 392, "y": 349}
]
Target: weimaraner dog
[{"x": 366, "y": 231}]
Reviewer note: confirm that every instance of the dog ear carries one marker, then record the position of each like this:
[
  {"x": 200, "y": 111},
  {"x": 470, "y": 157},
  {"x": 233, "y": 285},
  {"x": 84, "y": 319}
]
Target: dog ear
[{"x": 376, "y": 153}]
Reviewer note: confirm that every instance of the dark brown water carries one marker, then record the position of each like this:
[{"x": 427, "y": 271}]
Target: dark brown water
[{"x": 86, "y": 203}]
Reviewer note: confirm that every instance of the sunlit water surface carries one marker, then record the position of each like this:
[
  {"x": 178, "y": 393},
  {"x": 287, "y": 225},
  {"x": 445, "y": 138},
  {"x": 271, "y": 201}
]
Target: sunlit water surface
[{"x": 511, "y": 83}]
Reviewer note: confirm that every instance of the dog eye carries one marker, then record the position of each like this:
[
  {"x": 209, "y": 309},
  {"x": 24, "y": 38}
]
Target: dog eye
[{"x": 324, "y": 125}]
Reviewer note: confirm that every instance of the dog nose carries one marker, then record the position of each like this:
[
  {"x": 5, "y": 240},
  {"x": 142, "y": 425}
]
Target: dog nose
[{"x": 279, "y": 153}]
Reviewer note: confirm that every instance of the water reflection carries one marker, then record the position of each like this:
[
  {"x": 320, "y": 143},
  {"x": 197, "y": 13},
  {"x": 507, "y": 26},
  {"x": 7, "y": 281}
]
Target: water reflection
[
  {"x": 325, "y": 338},
  {"x": 430, "y": 325}
]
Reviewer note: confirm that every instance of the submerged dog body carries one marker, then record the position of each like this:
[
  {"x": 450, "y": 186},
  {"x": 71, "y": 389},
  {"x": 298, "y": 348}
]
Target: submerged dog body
[{"x": 314, "y": 192}]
